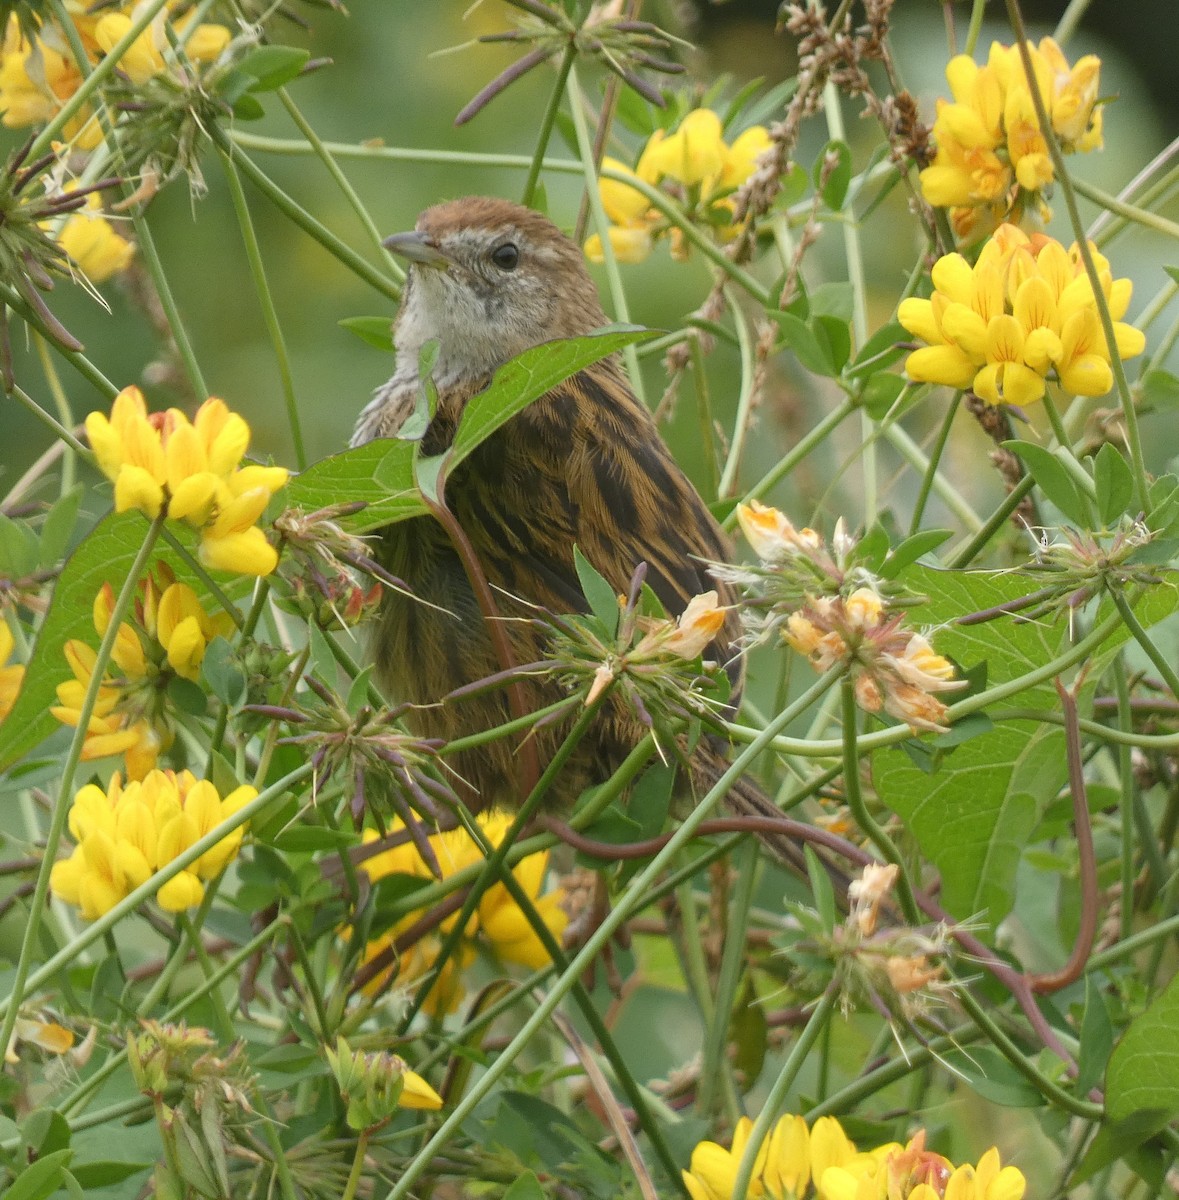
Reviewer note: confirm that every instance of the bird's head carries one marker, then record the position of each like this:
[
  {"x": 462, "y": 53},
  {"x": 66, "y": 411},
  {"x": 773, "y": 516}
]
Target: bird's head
[{"x": 490, "y": 279}]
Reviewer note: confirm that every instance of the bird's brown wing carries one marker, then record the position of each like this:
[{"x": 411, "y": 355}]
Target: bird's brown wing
[{"x": 585, "y": 465}]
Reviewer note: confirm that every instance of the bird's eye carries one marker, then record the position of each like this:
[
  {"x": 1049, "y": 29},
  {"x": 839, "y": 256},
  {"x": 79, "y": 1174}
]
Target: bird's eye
[{"x": 506, "y": 256}]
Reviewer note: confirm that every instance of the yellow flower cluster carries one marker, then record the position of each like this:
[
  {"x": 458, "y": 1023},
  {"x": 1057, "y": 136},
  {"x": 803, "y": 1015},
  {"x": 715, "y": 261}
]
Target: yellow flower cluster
[
  {"x": 11, "y": 675},
  {"x": 498, "y": 921},
  {"x": 992, "y": 160},
  {"x": 699, "y": 169},
  {"x": 1024, "y": 311},
  {"x": 171, "y": 633},
  {"x": 162, "y": 462},
  {"x": 892, "y": 667},
  {"x": 38, "y": 77},
  {"x": 125, "y": 834},
  {"x": 796, "y": 1163}
]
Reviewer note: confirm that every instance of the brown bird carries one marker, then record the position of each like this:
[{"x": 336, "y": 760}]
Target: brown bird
[{"x": 584, "y": 465}]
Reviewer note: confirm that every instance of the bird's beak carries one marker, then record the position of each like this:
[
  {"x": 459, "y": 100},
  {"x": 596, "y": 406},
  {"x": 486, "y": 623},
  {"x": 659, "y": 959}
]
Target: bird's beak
[{"x": 416, "y": 248}]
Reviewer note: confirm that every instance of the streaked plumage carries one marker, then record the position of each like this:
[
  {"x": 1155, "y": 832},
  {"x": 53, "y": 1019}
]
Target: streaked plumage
[{"x": 583, "y": 465}]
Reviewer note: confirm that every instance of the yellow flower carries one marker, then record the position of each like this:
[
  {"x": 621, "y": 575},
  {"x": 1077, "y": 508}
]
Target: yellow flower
[
  {"x": 11, "y": 676},
  {"x": 93, "y": 243},
  {"x": 125, "y": 834},
  {"x": 694, "y": 153},
  {"x": 630, "y": 244},
  {"x": 695, "y": 156},
  {"x": 1025, "y": 311},
  {"x": 497, "y": 922},
  {"x": 162, "y": 462},
  {"x": 130, "y": 715},
  {"x": 624, "y": 205},
  {"x": 144, "y": 58},
  {"x": 713, "y": 1169},
  {"x": 990, "y": 151}
]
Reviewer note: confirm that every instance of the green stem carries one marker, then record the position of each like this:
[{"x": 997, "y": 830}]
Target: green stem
[
  {"x": 745, "y": 397},
  {"x": 69, "y": 461},
  {"x": 155, "y": 267},
  {"x": 966, "y": 554},
  {"x": 301, "y": 217},
  {"x": 1129, "y": 412},
  {"x": 815, "y": 1025},
  {"x": 854, "y": 796},
  {"x": 341, "y": 180},
  {"x": 269, "y": 313},
  {"x": 64, "y": 434},
  {"x": 632, "y": 898},
  {"x": 593, "y": 193},
  {"x": 1048, "y": 1088},
  {"x": 1130, "y": 212},
  {"x": 61, "y": 807},
  {"x": 357, "y": 1166},
  {"x": 1126, "y": 779},
  {"x": 75, "y": 358},
  {"x": 546, "y": 124},
  {"x": 716, "y": 1064},
  {"x": 798, "y": 454},
  {"x": 977, "y": 13},
  {"x": 492, "y": 867},
  {"x": 935, "y": 459},
  {"x": 1161, "y": 663}
]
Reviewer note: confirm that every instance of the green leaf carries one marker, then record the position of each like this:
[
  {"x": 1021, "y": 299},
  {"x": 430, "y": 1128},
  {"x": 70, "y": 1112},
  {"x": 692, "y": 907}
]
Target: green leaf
[
  {"x": 1115, "y": 484},
  {"x": 911, "y": 549},
  {"x": 834, "y": 337},
  {"x": 1115, "y": 1140},
  {"x": 526, "y": 1187},
  {"x": 248, "y": 108},
  {"x": 1160, "y": 389},
  {"x": 834, "y": 191},
  {"x": 58, "y": 527},
  {"x": 376, "y": 331},
  {"x": 42, "y": 1178},
  {"x": 1053, "y": 480},
  {"x": 528, "y": 376},
  {"x": 749, "y": 1034},
  {"x": 601, "y": 597},
  {"x": 271, "y": 67},
  {"x": 310, "y": 839},
  {"x": 221, "y": 670},
  {"x": 1143, "y": 1073},
  {"x": 18, "y": 548},
  {"x": 833, "y": 300},
  {"x": 105, "y": 1174},
  {"x": 105, "y": 554},
  {"x": 1096, "y": 1039},
  {"x": 973, "y": 816},
  {"x": 881, "y": 349},
  {"x": 187, "y": 696},
  {"x": 381, "y": 472},
  {"x": 799, "y": 336},
  {"x": 880, "y": 393},
  {"x": 993, "y": 1077}
]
